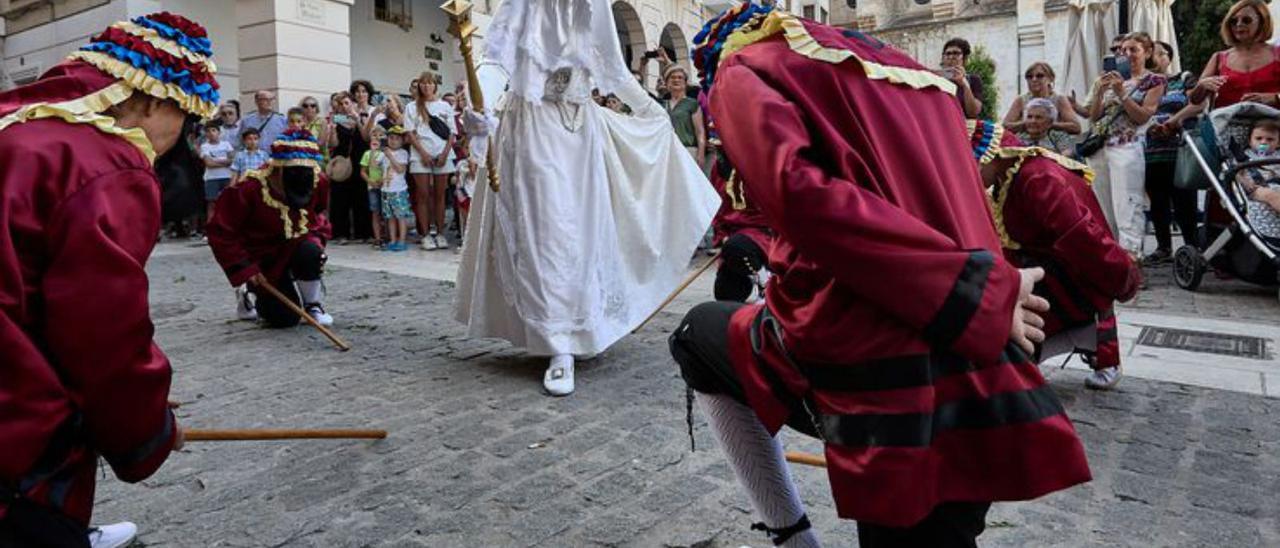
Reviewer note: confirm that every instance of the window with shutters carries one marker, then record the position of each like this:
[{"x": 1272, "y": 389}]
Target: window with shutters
[{"x": 396, "y": 12}]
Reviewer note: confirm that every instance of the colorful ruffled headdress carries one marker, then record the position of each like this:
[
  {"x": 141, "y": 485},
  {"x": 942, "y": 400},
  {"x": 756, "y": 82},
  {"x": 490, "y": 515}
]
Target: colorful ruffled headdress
[
  {"x": 296, "y": 148},
  {"x": 987, "y": 139},
  {"x": 709, "y": 43},
  {"x": 162, "y": 55}
]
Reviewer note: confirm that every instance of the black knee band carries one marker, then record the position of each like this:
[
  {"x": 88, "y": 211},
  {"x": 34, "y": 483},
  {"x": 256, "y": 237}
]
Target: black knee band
[{"x": 779, "y": 536}]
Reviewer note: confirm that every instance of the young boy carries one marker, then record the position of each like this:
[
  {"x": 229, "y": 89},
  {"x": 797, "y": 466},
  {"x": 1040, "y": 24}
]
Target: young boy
[
  {"x": 395, "y": 193},
  {"x": 216, "y": 155},
  {"x": 251, "y": 157},
  {"x": 296, "y": 118},
  {"x": 371, "y": 168},
  {"x": 1262, "y": 185}
]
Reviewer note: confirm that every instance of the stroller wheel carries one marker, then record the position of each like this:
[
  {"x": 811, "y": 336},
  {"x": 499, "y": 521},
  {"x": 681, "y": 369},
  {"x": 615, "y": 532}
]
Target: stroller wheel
[{"x": 1188, "y": 267}]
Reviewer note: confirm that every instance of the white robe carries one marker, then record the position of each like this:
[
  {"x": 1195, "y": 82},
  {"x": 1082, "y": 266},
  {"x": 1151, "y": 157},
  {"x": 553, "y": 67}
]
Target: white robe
[{"x": 592, "y": 228}]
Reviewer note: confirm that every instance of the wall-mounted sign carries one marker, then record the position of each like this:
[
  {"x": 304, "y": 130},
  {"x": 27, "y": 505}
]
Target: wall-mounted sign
[
  {"x": 433, "y": 53},
  {"x": 312, "y": 11}
]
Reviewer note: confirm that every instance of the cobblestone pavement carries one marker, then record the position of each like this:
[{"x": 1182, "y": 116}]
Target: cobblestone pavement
[{"x": 478, "y": 457}]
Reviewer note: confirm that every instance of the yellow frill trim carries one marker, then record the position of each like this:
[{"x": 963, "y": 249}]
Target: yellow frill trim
[
  {"x": 88, "y": 110},
  {"x": 1001, "y": 192},
  {"x": 163, "y": 44},
  {"x": 805, "y": 44},
  {"x": 733, "y": 188},
  {"x": 290, "y": 233},
  {"x": 139, "y": 79}
]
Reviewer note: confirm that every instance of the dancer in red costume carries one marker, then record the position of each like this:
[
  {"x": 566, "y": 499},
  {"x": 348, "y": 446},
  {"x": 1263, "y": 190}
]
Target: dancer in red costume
[
  {"x": 271, "y": 228},
  {"x": 79, "y": 214},
  {"x": 893, "y": 327},
  {"x": 1048, "y": 217}
]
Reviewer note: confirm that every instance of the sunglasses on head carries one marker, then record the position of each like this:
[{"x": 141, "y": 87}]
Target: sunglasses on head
[{"x": 1241, "y": 21}]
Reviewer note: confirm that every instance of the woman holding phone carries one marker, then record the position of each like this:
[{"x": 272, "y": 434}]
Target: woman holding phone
[
  {"x": 1247, "y": 71},
  {"x": 1122, "y": 107}
]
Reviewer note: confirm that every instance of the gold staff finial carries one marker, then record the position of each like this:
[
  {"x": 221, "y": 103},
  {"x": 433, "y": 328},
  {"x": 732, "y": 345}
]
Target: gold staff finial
[{"x": 461, "y": 27}]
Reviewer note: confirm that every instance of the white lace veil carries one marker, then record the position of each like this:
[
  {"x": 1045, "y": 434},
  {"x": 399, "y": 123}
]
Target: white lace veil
[{"x": 532, "y": 39}]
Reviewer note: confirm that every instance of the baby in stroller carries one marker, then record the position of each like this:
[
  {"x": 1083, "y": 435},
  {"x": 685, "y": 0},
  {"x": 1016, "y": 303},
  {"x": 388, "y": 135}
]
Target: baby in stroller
[{"x": 1262, "y": 185}]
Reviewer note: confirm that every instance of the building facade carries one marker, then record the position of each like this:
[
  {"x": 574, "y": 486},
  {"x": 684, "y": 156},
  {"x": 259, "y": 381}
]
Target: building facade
[{"x": 313, "y": 47}]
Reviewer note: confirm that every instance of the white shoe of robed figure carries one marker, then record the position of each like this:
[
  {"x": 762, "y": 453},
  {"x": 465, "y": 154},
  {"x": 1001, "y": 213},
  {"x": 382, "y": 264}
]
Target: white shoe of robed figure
[
  {"x": 558, "y": 380},
  {"x": 116, "y": 535},
  {"x": 1103, "y": 379},
  {"x": 319, "y": 315}
]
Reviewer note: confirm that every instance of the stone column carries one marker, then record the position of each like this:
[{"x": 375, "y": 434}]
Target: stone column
[
  {"x": 1030, "y": 38},
  {"x": 294, "y": 48}
]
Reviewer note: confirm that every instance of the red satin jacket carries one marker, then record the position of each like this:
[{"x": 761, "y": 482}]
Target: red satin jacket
[
  {"x": 891, "y": 301},
  {"x": 1054, "y": 217},
  {"x": 79, "y": 373}
]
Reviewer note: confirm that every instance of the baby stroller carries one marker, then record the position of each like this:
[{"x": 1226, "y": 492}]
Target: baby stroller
[{"x": 1228, "y": 242}]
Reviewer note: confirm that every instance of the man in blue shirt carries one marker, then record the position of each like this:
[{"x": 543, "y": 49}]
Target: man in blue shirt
[{"x": 269, "y": 123}]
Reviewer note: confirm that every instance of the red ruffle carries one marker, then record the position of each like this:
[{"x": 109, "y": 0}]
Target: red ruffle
[
  {"x": 187, "y": 26},
  {"x": 199, "y": 72}
]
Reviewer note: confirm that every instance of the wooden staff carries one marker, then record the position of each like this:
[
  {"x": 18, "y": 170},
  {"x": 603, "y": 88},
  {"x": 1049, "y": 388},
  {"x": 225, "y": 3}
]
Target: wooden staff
[
  {"x": 342, "y": 345},
  {"x": 460, "y": 26},
  {"x": 687, "y": 281},
  {"x": 807, "y": 458},
  {"x": 267, "y": 434}
]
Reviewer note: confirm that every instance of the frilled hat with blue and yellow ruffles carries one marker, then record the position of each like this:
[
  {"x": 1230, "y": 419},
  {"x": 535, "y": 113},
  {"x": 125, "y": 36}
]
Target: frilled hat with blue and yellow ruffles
[
  {"x": 296, "y": 148},
  {"x": 163, "y": 55}
]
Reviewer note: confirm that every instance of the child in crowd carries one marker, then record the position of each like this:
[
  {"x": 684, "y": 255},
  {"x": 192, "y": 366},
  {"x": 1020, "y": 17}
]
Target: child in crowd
[
  {"x": 251, "y": 157},
  {"x": 1262, "y": 185},
  {"x": 296, "y": 118},
  {"x": 395, "y": 193},
  {"x": 372, "y": 168},
  {"x": 216, "y": 155}
]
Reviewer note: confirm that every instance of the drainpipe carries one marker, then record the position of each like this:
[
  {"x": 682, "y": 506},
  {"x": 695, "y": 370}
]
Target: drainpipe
[{"x": 1124, "y": 16}]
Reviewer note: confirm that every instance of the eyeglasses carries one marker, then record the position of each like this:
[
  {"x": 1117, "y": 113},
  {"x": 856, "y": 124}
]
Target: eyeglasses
[
  {"x": 310, "y": 105},
  {"x": 953, "y": 53},
  {"x": 1241, "y": 21},
  {"x": 1037, "y": 76}
]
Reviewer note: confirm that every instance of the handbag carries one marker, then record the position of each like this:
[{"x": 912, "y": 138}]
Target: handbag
[
  {"x": 1187, "y": 173},
  {"x": 339, "y": 168},
  {"x": 439, "y": 127}
]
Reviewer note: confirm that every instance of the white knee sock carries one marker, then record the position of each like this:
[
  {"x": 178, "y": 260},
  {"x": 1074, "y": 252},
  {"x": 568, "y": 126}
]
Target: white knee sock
[
  {"x": 757, "y": 460},
  {"x": 311, "y": 291}
]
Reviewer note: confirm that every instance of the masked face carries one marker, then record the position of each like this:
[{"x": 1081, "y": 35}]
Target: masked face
[{"x": 299, "y": 182}]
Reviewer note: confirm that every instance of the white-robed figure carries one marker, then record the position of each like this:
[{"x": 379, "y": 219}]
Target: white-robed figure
[{"x": 598, "y": 213}]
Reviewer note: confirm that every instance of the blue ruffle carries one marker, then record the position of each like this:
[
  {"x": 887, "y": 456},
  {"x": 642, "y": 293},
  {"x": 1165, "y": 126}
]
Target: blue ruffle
[
  {"x": 203, "y": 46},
  {"x": 297, "y": 155},
  {"x": 181, "y": 78}
]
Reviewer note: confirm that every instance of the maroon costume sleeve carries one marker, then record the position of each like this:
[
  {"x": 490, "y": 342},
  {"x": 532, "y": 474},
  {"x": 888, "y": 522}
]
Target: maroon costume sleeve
[
  {"x": 98, "y": 325},
  {"x": 957, "y": 297},
  {"x": 1079, "y": 234},
  {"x": 230, "y": 214}
]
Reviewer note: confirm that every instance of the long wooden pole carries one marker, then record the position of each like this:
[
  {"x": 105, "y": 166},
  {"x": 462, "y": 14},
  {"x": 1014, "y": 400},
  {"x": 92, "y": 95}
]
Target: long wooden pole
[
  {"x": 806, "y": 458},
  {"x": 683, "y": 285},
  {"x": 269, "y": 434},
  {"x": 342, "y": 345}
]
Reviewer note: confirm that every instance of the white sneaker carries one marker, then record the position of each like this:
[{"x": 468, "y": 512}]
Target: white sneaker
[
  {"x": 442, "y": 242},
  {"x": 245, "y": 310},
  {"x": 318, "y": 314},
  {"x": 1103, "y": 379},
  {"x": 429, "y": 243},
  {"x": 558, "y": 380},
  {"x": 115, "y": 535}
]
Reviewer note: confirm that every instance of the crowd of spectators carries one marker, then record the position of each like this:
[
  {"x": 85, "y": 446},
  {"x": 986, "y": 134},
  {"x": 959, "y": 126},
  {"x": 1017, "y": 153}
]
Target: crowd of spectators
[{"x": 1126, "y": 129}]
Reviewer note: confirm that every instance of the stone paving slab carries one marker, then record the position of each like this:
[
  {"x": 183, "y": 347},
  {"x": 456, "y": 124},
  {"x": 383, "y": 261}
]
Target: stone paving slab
[{"x": 478, "y": 457}]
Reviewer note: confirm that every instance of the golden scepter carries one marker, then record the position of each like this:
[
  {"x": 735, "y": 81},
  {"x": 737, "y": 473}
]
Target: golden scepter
[{"x": 460, "y": 25}]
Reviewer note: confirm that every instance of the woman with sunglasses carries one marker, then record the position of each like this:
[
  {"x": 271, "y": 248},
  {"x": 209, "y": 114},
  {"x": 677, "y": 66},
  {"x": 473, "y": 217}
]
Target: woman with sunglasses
[
  {"x": 229, "y": 116},
  {"x": 311, "y": 119},
  {"x": 1247, "y": 71},
  {"x": 1040, "y": 78}
]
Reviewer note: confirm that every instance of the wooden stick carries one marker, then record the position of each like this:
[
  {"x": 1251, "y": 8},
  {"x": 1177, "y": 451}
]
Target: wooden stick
[
  {"x": 807, "y": 458},
  {"x": 267, "y": 434},
  {"x": 683, "y": 285},
  {"x": 342, "y": 345}
]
